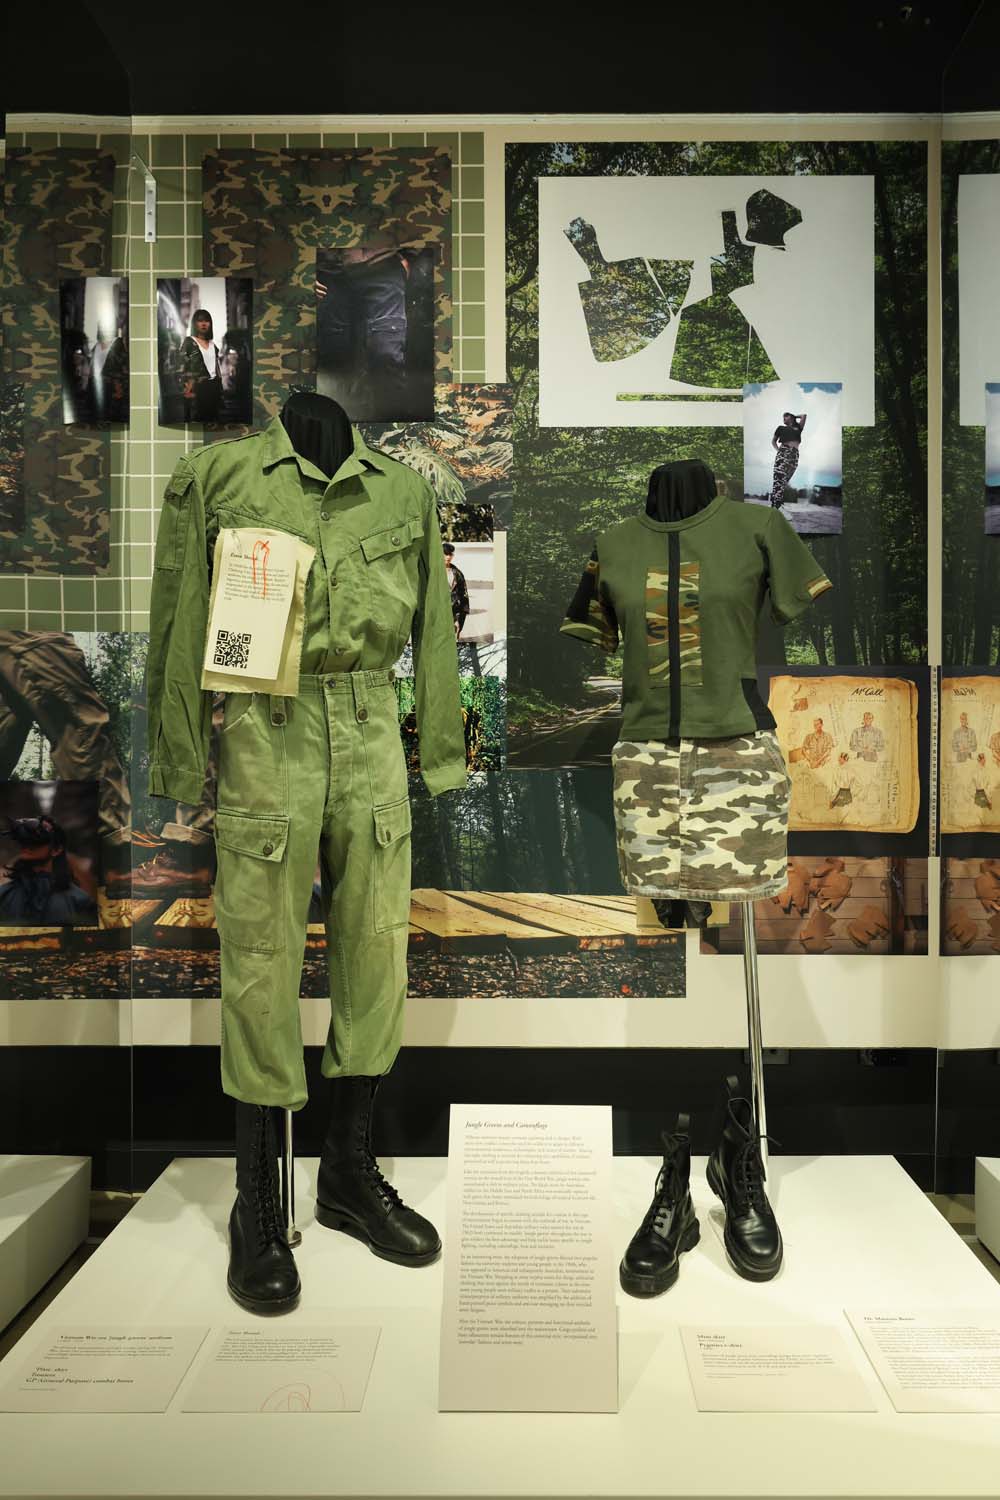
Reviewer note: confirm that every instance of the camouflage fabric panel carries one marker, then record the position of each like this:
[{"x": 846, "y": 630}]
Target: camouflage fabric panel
[
  {"x": 11, "y": 456},
  {"x": 657, "y": 643},
  {"x": 689, "y": 625},
  {"x": 657, "y": 634},
  {"x": 266, "y": 213},
  {"x": 590, "y": 616},
  {"x": 625, "y": 304},
  {"x": 57, "y": 224},
  {"x": 702, "y": 819}
]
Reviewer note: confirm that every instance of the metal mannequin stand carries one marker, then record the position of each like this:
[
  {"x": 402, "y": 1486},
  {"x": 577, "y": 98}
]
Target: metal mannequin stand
[
  {"x": 292, "y": 1234},
  {"x": 754, "y": 1034}
]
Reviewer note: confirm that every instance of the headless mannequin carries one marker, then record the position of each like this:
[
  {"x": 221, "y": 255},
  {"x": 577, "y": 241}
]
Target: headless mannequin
[
  {"x": 319, "y": 429},
  {"x": 676, "y": 492}
]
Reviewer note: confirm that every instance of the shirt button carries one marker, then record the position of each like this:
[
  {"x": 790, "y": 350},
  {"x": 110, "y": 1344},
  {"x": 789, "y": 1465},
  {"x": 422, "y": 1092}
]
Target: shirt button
[
  {"x": 395, "y": 541},
  {"x": 279, "y": 719},
  {"x": 324, "y": 515},
  {"x": 333, "y": 583},
  {"x": 362, "y": 714},
  {"x": 268, "y": 848}
]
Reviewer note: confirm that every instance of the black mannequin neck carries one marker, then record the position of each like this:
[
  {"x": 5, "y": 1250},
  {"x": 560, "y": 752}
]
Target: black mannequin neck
[
  {"x": 319, "y": 429},
  {"x": 680, "y": 490}
]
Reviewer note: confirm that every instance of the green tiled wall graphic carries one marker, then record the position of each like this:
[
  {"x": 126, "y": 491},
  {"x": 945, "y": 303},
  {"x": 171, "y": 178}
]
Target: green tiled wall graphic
[{"x": 144, "y": 458}]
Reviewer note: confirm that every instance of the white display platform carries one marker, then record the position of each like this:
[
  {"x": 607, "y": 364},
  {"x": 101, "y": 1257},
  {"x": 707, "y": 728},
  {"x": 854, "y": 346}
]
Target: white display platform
[
  {"x": 988, "y": 1203},
  {"x": 44, "y": 1216},
  {"x": 858, "y": 1233}
]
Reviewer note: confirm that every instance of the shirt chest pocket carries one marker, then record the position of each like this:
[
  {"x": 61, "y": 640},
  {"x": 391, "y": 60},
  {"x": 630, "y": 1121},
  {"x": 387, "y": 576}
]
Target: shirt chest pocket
[
  {"x": 391, "y": 557},
  {"x": 230, "y": 519}
]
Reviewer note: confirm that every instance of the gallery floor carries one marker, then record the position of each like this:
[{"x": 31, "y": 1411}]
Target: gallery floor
[{"x": 858, "y": 1234}]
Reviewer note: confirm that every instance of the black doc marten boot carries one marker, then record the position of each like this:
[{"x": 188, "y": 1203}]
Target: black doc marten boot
[
  {"x": 352, "y": 1194},
  {"x": 262, "y": 1272},
  {"x": 652, "y": 1261},
  {"x": 736, "y": 1175}
]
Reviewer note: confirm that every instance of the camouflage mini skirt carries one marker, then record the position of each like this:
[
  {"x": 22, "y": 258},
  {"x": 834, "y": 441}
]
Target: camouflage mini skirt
[{"x": 703, "y": 819}]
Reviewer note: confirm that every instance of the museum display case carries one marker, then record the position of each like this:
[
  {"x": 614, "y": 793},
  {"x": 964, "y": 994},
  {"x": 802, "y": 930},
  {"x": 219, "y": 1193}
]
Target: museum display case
[{"x": 499, "y": 796}]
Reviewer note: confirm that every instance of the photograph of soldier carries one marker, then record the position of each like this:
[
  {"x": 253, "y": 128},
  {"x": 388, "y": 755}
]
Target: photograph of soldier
[
  {"x": 475, "y": 572},
  {"x": 375, "y": 331},
  {"x": 45, "y": 682},
  {"x": 459, "y": 588},
  {"x": 867, "y": 741},
  {"x": 93, "y": 319},
  {"x": 204, "y": 339},
  {"x": 963, "y": 740},
  {"x": 48, "y": 853},
  {"x": 792, "y": 467}
]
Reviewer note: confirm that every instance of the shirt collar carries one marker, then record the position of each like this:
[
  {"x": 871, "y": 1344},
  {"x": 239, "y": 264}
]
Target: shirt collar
[{"x": 278, "y": 447}]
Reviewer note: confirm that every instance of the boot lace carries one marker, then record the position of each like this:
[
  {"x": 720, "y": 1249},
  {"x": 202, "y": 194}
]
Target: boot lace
[
  {"x": 749, "y": 1173},
  {"x": 383, "y": 1187},
  {"x": 266, "y": 1205},
  {"x": 665, "y": 1196}
]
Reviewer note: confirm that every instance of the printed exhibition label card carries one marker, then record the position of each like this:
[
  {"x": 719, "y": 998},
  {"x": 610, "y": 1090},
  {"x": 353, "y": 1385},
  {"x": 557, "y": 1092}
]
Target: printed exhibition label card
[
  {"x": 279, "y": 1370},
  {"x": 797, "y": 1367},
  {"x": 529, "y": 1319},
  {"x": 935, "y": 1359},
  {"x": 253, "y": 588},
  {"x": 109, "y": 1369}
]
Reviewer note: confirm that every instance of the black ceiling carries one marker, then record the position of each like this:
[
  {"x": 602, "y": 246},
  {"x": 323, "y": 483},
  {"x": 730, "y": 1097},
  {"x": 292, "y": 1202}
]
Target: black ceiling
[{"x": 107, "y": 57}]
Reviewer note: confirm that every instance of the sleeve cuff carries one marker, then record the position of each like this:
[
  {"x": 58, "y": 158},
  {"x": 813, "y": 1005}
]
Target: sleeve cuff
[
  {"x": 449, "y": 778},
  {"x": 176, "y": 784},
  {"x": 802, "y": 601},
  {"x": 581, "y": 631}
]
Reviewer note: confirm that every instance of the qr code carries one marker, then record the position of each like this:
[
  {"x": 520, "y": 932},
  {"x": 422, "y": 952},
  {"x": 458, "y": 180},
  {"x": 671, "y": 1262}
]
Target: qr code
[{"x": 232, "y": 648}]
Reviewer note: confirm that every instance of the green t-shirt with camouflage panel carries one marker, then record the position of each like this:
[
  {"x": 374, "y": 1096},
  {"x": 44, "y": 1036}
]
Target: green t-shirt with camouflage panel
[{"x": 684, "y": 598}]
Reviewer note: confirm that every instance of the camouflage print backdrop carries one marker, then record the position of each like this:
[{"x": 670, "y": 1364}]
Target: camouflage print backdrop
[
  {"x": 267, "y": 212},
  {"x": 11, "y": 455},
  {"x": 56, "y": 223}
]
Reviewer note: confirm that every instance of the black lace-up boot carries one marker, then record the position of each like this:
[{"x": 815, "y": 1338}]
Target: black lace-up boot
[
  {"x": 262, "y": 1272},
  {"x": 652, "y": 1261},
  {"x": 352, "y": 1194},
  {"x": 736, "y": 1175}
]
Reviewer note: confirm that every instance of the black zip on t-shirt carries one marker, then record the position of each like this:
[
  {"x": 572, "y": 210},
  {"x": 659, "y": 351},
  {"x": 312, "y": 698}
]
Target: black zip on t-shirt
[{"x": 674, "y": 631}]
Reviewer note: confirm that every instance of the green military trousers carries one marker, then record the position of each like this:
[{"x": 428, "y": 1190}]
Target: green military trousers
[{"x": 323, "y": 773}]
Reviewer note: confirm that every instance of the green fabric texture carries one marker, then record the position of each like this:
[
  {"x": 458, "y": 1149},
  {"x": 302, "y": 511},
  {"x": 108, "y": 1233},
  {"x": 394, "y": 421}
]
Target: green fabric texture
[
  {"x": 378, "y": 575},
  {"x": 688, "y": 665},
  {"x": 323, "y": 771}
]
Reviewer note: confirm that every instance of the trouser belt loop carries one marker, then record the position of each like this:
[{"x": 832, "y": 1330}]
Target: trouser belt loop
[
  {"x": 359, "y": 684},
  {"x": 278, "y": 711}
]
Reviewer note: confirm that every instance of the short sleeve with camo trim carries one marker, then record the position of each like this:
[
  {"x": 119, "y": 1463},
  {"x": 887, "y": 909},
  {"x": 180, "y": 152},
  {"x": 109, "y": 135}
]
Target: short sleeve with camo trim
[
  {"x": 794, "y": 578},
  {"x": 590, "y": 616}
]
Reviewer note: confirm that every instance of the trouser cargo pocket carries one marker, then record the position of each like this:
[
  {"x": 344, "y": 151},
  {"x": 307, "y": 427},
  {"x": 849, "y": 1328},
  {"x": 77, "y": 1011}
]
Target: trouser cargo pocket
[
  {"x": 250, "y": 885},
  {"x": 391, "y": 867}
]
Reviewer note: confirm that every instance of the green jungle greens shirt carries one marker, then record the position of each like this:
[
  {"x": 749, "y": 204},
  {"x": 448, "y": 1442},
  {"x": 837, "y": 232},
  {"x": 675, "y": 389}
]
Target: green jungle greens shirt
[
  {"x": 378, "y": 576},
  {"x": 685, "y": 596}
]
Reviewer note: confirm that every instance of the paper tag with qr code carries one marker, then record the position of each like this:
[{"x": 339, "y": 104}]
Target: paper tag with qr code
[{"x": 254, "y": 588}]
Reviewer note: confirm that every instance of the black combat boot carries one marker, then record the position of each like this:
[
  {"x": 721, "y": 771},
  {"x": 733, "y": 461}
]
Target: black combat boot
[
  {"x": 652, "y": 1261},
  {"x": 736, "y": 1175},
  {"x": 262, "y": 1272},
  {"x": 352, "y": 1194}
]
